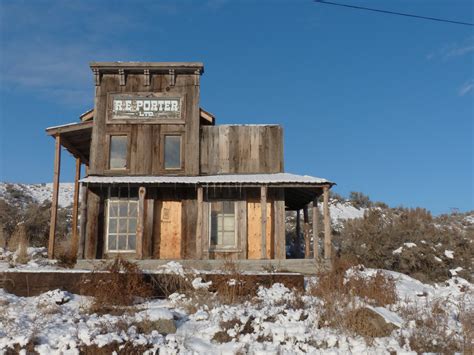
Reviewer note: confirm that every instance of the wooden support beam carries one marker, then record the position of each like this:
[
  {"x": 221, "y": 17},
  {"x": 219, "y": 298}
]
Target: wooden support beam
[
  {"x": 327, "y": 224},
  {"x": 54, "y": 200},
  {"x": 199, "y": 236},
  {"x": 75, "y": 208},
  {"x": 307, "y": 251},
  {"x": 315, "y": 228},
  {"x": 140, "y": 221},
  {"x": 263, "y": 207},
  {"x": 279, "y": 229},
  {"x": 83, "y": 223},
  {"x": 297, "y": 244}
]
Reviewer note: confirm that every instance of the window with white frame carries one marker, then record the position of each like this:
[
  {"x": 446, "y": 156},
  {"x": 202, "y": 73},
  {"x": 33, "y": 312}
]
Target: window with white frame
[
  {"x": 222, "y": 221},
  {"x": 122, "y": 216}
]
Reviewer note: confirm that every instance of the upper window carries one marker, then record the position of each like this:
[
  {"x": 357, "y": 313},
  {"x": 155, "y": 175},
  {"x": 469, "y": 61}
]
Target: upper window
[
  {"x": 121, "y": 225},
  {"x": 222, "y": 224},
  {"x": 172, "y": 152},
  {"x": 118, "y": 152}
]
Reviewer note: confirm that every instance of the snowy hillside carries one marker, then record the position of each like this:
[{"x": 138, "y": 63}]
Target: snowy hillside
[{"x": 40, "y": 192}]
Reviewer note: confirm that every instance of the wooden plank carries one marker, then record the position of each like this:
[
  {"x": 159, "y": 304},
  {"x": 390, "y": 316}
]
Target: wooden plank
[
  {"x": 83, "y": 220},
  {"x": 199, "y": 234},
  {"x": 254, "y": 230},
  {"x": 156, "y": 228},
  {"x": 148, "y": 227},
  {"x": 297, "y": 244},
  {"x": 327, "y": 224},
  {"x": 279, "y": 217},
  {"x": 241, "y": 207},
  {"x": 75, "y": 208},
  {"x": 170, "y": 226},
  {"x": 315, "y": 228},
  {"x": 92, "y": 226},
  {"x": 54, "y": 200},
  {"x": 263, "y": 203},
  {"x": 140, "y": 221},
  {"x": 307, "y": 251}
]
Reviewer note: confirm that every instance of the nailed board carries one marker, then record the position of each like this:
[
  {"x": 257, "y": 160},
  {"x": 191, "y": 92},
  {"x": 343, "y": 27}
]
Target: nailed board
[
  {"x": 170, "y": 230},
  {"x": 254, "y": 230}
]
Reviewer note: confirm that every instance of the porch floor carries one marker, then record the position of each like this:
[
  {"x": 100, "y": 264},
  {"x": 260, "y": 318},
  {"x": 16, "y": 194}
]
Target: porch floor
[{"x": 302, "y": 266}]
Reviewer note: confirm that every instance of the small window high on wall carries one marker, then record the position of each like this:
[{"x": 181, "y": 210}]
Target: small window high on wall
[
  {"x": 172, "y": 152},
  {"x": 222, "y": 231},
  {"x": 118, "y": 152}
]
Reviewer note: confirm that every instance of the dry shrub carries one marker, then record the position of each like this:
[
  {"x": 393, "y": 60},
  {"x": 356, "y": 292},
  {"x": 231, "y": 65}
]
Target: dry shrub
[
  {"x": 20, "y": 241},
  {"x": 467, "y": 323},
  {"x": 167, "y": 284},
  {"x": 231, "y": 287},
  {"x": 366, "y": 323},
  {"x": 430, "y": 332},
  {"x": 127, "y": 348},
  {"x": 120, "y": 284},
  {"x": 338, "y": 293},
  {"x": 374, "y": 238},
  {"x": 378, "y": 290},
  {"x": 65, "y": 254},
  {"x": 240, "y": 328}
]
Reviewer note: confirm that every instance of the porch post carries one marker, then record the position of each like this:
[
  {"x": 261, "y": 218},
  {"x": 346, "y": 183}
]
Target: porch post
[
  {"x": 83, "y": 223},
  {"x": 307, "y": 252},
  {"x": 327, "y": 224},
  {"x": 315, "y": 228},
  {"x": 199, "y": 222},
  {"x": 141, "y": 221},
  {"x": 75, "y": 208},
  {"x": 297, "y": 245},
  {"x": 54, "y": 200},
  {"x": 263, "y": 205}
]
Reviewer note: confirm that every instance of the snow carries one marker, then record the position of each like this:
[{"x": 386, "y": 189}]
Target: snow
[
  {"x": 449, "y": 254},
  {"x": 43, "y": 192},
  {"x": 277, "y": 178},
  {"x": 56, "y": 320},
  {"x": 342, "y": 211}
]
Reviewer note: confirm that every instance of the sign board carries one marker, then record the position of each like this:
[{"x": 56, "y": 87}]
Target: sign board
[{"x": 140, "y": 107}]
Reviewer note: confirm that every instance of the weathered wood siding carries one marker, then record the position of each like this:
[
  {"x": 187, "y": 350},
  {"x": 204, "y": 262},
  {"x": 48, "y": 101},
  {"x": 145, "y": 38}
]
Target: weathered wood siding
[
  {"x": 145, "y": 146},
  {"x": 246, "y": 149}
]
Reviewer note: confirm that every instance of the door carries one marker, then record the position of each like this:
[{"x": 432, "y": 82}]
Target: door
[{"x": 168, "y": 238}]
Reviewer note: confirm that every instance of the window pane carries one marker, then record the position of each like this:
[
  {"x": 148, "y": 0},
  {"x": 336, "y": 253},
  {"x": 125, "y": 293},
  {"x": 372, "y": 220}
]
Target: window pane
[
  {"x": 222, "y": 223},
  {"x": 132, "y": 209},
  {"x": 132, "y": 225},
  {"x": 228, "y": 238},
  {"x": 112, "y": 242},
  {"x": 122, "y": 225},
  {"x": 122, "y": 242},
  {"x": 229, "y": 222},
  {"x": 113, "y": 209},
  {"x": 123, "y": 210},
  {"x": 112, "y": 225},
  {"x": 118, "y": 152},
  {"x": 131, "y": 242},
  {"x": 172, "y": 152}
]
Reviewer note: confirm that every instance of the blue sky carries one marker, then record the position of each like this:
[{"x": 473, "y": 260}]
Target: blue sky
[{"x": 377, "y": 103}]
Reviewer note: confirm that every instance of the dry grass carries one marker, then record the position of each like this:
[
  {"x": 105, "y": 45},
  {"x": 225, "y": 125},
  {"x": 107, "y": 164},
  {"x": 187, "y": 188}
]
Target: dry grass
[
  {"x": 339, "y": 294},
  {"x": 430, "y": 332},
  {"x": 20, "y": 240},
  {"x": 65, "y": 254},
  {"x": 120, "y": 285},
  {"x": 231, "y": 287}
]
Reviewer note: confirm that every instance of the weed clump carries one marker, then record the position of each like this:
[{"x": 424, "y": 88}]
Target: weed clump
[{"x": 120, "y": 284}]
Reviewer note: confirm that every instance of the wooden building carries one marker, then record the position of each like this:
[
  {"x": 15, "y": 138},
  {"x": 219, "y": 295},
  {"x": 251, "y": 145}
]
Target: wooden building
[{"x": 164, "y": 182}]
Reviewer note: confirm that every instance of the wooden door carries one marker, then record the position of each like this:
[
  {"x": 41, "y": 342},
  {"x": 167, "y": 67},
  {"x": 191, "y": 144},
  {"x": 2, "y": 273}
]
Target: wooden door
[
  {"x": 254, "y": 230},
  {"x": 169, "y": 238}
]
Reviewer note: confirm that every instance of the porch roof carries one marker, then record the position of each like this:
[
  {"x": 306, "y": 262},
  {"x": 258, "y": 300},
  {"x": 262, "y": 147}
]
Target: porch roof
[
  {"x": 280, "y": 179},
  {"x": 299, "y": 189}
]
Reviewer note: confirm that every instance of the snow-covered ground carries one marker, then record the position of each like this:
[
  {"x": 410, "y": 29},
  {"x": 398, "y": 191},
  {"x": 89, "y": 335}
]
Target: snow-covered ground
[
  {"x": 42, "y": 192},
  {"x": 57, "y": 322}
]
